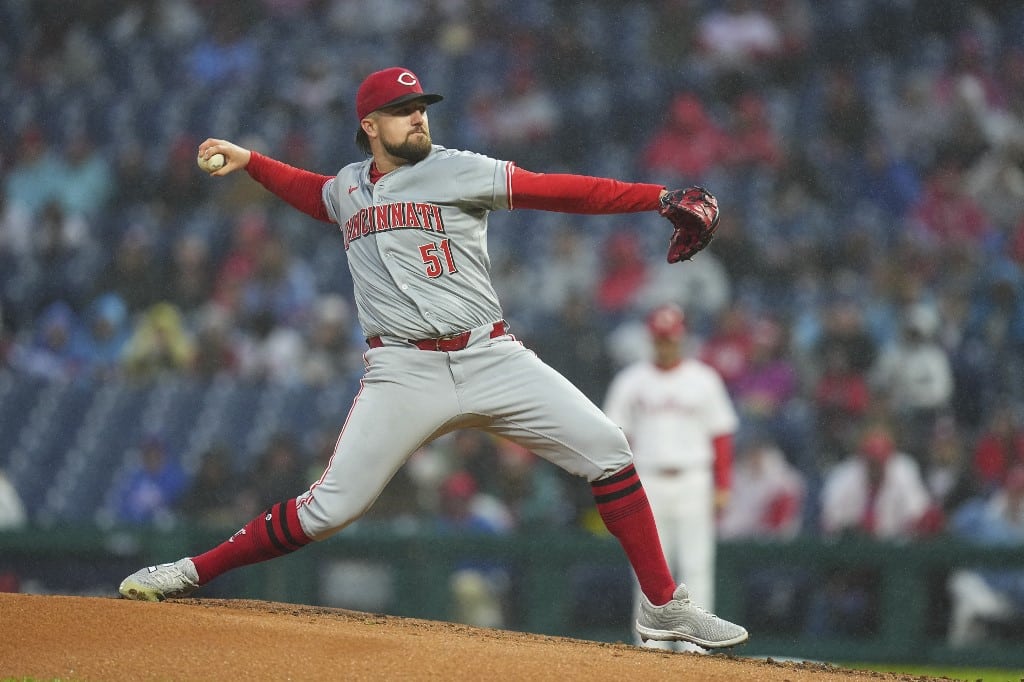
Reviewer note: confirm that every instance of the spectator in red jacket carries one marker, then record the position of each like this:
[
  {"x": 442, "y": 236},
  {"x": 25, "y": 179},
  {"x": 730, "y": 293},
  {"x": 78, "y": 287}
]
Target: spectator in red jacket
[
  {"x": 688, "y": 144},
  {"x": 841, "y": 399},
  {"x": 946, "y": 214},
  {"x": 623, "y": 276},
  {"x": 752, "y": 140},
  {"x": 999, "y": 447},
  {"x": 730, "y": 345}
]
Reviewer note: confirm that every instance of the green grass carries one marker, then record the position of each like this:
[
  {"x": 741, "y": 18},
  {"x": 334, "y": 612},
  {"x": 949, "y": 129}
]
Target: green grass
[{"x": 963, "y": 674}]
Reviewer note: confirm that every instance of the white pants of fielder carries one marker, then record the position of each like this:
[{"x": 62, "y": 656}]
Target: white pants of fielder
[{"x": 683, "y": 506}]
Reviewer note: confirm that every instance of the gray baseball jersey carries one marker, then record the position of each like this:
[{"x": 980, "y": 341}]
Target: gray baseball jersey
[{"x": 416, "y": 242}]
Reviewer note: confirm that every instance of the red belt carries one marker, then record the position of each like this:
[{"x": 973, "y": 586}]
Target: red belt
[
  {"x": 446, "y": 344},
  {"x": 672, "y": 472}
]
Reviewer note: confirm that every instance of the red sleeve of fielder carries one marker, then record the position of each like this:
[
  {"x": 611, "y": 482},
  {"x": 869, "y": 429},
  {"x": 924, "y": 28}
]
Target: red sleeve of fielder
[
  {"x": 723, "y": 461},
  {"x": 579, "y": 193},
  {"x": 300, "y": 188}
]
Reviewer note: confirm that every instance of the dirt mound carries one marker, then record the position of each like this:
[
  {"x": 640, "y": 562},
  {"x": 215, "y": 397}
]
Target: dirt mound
[{"x": 95, "y": 638}]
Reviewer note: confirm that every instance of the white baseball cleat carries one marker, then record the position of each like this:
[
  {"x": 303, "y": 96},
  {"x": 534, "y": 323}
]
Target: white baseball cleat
[
  {"x": 166, "y": 581},
  {"x": 682, "y": 620}
]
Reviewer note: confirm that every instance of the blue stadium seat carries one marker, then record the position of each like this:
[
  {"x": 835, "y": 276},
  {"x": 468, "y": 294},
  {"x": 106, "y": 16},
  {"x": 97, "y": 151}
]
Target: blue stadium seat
[
  {"x": 47, "y": 434},
  {"x": 18, "y": 395},
  {"x": 94, "y": 460}
]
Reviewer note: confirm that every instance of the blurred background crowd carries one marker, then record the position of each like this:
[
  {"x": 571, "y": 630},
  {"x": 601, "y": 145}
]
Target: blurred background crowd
[{"x": 863, "y": 298}]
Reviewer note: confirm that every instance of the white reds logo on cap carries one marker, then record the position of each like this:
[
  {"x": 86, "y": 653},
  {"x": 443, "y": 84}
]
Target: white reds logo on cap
[{"x": 406, "y": 78}]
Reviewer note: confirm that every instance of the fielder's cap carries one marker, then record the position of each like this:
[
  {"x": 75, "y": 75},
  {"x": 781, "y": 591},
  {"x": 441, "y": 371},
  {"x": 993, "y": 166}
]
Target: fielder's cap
[
  {"x": 878, "y": 445},
  {"x": 389, "y": 88},
  {"x": 666, "y": 322}
]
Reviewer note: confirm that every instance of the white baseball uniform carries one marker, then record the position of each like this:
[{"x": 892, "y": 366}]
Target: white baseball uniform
[{"x": 671, "y": 416}]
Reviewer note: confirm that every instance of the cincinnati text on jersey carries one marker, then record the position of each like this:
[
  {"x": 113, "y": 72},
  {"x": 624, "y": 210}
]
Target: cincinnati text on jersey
[{"x": 402, "y": 215}]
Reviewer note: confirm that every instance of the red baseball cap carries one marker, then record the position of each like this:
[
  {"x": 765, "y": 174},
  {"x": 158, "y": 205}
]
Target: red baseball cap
[
  {"x": 389, "y": 88},
  {"x": 877, "y": 445},
  {"x": 666, "y": 322}
]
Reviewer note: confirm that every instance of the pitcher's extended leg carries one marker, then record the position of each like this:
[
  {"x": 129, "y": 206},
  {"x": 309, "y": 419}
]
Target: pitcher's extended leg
[
  {"x": 541, "y": 410},
  {"x": 369, "y": 451}
]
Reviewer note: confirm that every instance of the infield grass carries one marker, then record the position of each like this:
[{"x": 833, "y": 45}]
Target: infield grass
[{"x": 957, "y": 674}]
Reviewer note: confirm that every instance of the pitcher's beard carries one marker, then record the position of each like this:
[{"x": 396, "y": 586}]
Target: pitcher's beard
[{"x": 413, "y": 149}]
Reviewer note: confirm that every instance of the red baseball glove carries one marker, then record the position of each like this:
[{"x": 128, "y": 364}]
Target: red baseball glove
[{"x": 694, "y": 214}]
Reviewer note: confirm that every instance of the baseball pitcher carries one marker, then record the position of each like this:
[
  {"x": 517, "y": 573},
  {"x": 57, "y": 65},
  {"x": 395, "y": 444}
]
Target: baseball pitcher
[{"x": 412, "y": 218}]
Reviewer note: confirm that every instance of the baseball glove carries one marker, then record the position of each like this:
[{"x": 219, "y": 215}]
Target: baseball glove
[{"x": 694, "y": 214}]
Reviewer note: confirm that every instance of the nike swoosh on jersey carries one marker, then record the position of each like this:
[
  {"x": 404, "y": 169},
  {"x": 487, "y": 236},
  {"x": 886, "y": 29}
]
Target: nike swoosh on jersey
[{"x": 353, "y": 188}]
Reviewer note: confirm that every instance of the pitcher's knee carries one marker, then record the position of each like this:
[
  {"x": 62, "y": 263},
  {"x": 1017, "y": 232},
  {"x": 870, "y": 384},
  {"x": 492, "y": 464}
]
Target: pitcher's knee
[
  {"x": 611, "y": 454},
  {"x": 321, "y": 520}
]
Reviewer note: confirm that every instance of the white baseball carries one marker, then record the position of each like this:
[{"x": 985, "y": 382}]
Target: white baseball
[{"x": 215, "y": 162}]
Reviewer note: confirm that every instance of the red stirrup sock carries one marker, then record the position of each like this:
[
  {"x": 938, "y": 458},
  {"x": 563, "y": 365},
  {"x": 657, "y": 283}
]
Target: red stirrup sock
[
  {"x": 623, "y": 506},
  {"x": 273, "y": 533}
]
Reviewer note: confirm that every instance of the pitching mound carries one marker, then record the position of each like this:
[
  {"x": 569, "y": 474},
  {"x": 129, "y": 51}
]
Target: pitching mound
[{"x": 94, "y": 638}]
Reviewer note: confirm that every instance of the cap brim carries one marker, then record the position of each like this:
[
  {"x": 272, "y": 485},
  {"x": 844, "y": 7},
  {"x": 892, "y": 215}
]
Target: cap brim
[{"x": 412, "y": 96}]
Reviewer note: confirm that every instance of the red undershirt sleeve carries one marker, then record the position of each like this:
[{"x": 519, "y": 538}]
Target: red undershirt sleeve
[
  {"x": 300, "y": 188},
  {"x": 579, "y": 193},
  {"x": 722, "y": 465}
]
